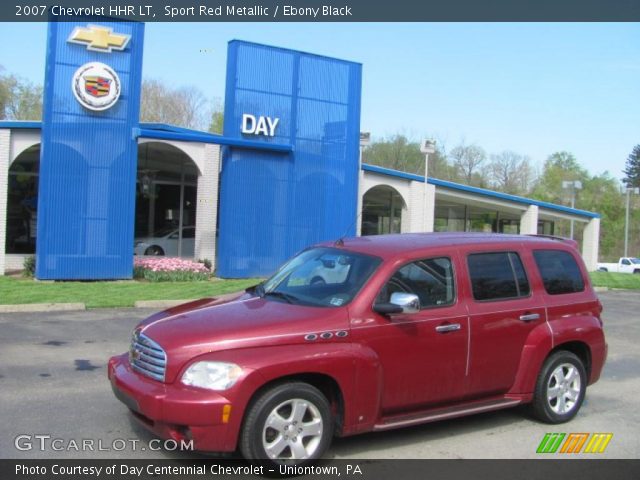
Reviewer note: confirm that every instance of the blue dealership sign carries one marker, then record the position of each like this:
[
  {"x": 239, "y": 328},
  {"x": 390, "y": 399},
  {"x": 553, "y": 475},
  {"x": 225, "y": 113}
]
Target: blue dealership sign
[
  {"x": 274, "y": 204},
  {"x": 88, "y": 161}
]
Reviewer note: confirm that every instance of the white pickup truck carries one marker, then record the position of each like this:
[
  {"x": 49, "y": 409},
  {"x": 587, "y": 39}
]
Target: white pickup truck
[{"x": 624, "y": 265}]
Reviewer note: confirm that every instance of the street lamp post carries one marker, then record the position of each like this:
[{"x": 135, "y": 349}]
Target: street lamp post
[
  {"x": 572, "y": 185},
  {"x": 626, "y": 219},
  {"x": 427, "y": 147}
]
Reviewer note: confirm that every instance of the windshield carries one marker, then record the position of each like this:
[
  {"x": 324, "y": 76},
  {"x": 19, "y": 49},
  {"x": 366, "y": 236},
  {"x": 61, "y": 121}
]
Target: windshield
[{"x": 323, "y": 277}]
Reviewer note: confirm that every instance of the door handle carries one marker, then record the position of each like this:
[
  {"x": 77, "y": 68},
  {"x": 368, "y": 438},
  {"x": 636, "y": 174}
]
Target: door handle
[
  {"x": 529, "y": 317},
  {"x": 451, "y": 327}
]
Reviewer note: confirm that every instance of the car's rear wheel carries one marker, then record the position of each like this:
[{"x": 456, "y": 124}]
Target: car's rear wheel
[
  {"x": 154, "y": 250},
  {"x": 288, "y": 424},
  {"x": 560, "y": 388}
]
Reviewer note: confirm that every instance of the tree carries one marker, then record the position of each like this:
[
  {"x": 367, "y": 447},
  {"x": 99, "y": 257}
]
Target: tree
[
  {"x": 217, "y": 120},
  {"x": 19, "y": 99},
  {"x": 558, "y": 167},
  {"x": 396, "y": 152},
  {"x": 185, "y": 107},
  {"x": 632, "y": 168},
  {"x": 511, "y": 172},
  {"x": 467, "y": 159}
]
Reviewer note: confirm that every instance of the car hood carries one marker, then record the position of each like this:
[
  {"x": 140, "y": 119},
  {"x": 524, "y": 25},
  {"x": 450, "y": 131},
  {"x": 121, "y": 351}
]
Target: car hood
[{"x": 232, "y": 322}]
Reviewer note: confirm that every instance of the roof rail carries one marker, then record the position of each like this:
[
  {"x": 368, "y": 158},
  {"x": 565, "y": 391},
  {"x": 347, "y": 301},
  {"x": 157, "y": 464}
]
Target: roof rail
[{"x": 570, "y": 241}]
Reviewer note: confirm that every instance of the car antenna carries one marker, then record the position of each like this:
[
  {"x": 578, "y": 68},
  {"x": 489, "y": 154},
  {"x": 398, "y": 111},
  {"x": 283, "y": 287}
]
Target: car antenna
[{"x": 340, "y": 241}]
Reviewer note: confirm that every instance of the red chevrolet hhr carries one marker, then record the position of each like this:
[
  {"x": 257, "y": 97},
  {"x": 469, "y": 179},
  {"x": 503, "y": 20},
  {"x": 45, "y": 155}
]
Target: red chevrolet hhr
[{"x": 370, "y": 333}]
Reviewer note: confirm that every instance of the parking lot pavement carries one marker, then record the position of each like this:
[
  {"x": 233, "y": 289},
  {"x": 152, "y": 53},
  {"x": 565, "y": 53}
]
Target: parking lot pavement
[{"x": 53, "y": 382}]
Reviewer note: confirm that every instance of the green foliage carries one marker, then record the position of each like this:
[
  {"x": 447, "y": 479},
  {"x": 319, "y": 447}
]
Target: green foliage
[
  {"x": 217, "y": 121},
  {"x": 140, "y": 273},
  {"x": 396, "y": 152},
  {"x": 112, "y": 294},
  {"x": 29, "y": 266},
  {"x": 19, "y": 99},
  {"x": 632, "y": 168},
  {"x": 206, "y": 262},
  {"x": 615, "y": 280}
]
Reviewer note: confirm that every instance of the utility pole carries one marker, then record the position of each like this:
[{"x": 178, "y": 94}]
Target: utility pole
[
  {"x": 626, "y": 219},
  {"x": 572, "y": 186}
]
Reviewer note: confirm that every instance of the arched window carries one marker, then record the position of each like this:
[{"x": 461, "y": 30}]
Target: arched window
[{"x": 382, "y": 211}]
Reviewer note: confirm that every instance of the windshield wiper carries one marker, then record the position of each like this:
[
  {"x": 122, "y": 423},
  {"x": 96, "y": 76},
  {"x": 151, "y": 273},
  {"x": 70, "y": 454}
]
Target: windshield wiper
[{"x": 285, "y": 296}]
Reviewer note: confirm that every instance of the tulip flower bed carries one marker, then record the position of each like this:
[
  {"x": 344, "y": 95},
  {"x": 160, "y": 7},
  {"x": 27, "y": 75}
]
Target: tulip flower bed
[{"x": 168, "y": 269}]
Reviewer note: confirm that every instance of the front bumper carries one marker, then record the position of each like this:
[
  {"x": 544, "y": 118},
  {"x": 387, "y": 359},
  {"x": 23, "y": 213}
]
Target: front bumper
[{"x": 174, "y": 411}]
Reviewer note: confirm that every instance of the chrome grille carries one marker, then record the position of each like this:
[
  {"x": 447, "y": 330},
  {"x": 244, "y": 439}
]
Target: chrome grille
[{"x": 147, "y": 357}]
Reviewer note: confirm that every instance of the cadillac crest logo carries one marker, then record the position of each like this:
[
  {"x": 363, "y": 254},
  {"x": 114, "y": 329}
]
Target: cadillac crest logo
[{"x": 96, "y": 86}]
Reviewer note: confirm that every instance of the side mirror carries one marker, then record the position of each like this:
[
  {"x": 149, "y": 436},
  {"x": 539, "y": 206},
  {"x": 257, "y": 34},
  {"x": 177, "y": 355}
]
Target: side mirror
[{"x": 400, "y": 302}]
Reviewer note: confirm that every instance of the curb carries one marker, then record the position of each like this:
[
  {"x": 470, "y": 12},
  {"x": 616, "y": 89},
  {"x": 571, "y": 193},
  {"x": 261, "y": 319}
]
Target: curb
[
  {"x": 601, "y": 289},
  {"x": 161, "y": 303},
  {"x": 42, "y": 307}
]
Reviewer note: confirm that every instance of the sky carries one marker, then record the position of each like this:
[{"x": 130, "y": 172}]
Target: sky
[{"x": 533, "y": 88}]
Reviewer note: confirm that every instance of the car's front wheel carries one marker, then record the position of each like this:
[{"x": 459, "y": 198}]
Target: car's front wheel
[
  {"x": 154, "y": 250},
  {"x": 560, "y": 388},
  {"x": 288, "y": 424}
]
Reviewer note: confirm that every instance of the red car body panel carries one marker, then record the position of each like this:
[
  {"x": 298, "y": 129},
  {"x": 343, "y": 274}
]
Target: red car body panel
[{"x": 383, "y": 367}]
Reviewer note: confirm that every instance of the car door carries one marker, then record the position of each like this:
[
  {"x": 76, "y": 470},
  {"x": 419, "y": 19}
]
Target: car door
[
  {"x": 503, "y": 309},
  {"x": 422, "y": 355},
  {"x": 188, "y": 242},
  {"x": 625, "y": 266}
]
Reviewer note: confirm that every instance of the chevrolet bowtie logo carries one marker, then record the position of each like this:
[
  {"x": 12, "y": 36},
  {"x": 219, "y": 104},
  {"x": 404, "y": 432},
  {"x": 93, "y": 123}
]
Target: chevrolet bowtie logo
[{"x": 99, "y": 39}]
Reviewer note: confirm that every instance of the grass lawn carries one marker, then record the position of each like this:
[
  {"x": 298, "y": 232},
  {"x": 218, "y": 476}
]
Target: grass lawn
[
  {"x": 616, "y": 280},
  {"x": 121, "y": 293}
]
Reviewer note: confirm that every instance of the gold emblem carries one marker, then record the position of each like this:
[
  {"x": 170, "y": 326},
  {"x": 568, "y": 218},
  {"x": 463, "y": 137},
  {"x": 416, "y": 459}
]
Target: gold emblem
[{"x": 99, "y": 39}]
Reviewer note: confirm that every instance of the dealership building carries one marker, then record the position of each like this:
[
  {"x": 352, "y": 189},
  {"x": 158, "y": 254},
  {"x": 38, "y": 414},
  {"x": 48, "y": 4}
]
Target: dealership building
[{"x": 90, "y": 183}]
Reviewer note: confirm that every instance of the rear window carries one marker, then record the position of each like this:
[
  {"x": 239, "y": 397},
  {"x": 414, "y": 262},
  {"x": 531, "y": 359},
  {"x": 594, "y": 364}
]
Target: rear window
[
  {"x": 497, "y": 276},
  {"x": 559, "y": 271}
]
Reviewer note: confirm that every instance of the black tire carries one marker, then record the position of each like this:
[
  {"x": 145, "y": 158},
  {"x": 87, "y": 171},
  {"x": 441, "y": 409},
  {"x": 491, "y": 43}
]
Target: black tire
[
  {"x": 278, "y": 403},
  {"x": 636, "y": 272},
  {"x": 603, "y": 269},
  {"x": 560, "y": 365},
  {"x": 154, "y": 250}
]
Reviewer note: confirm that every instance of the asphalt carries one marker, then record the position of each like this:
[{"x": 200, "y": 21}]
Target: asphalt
[{"x": 53, "y": 383}]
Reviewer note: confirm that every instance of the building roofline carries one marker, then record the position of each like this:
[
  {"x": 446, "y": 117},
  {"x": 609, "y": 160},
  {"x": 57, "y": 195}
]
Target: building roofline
[
  {"x": 16, "y": 124},
  {"x": 167, "y": 132},
  {"x": 164, "y": 131},
  {"x": 480, "y": 191}
]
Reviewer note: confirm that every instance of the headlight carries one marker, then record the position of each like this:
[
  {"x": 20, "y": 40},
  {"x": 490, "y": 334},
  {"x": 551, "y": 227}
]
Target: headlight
[{"x": 212, "y": 375}]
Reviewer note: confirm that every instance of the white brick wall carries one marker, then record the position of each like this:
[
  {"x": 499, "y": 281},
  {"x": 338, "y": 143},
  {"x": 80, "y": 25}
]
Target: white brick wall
[
  {"x": 591, "y": 243},
  {"x": 416, "y": 207},
  {"x": 13, "y": 262},
  {"x": 429, "y": 207},
  {"x": 207, "y": 209},
  {"x": 5, "y": 146},
  {"x": 360, "y": 196},
  {"x": 529, "y": 221}
]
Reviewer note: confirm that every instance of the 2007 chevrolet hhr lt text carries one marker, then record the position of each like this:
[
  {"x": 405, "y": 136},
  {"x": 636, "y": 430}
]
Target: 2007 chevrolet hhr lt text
[{"x": 370, "y": 333}]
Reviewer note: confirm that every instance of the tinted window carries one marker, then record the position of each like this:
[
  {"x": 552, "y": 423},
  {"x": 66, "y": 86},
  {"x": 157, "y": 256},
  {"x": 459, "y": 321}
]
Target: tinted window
[
  {"x": 431, "y": 280},
  {"x": 188, "y": 233},
  {"x": 559, "y": 271},
  {"x": 498, "y": 275}
]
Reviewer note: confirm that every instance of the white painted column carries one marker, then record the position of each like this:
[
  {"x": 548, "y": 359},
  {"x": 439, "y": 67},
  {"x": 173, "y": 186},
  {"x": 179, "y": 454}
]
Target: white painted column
[
  {"x": 591, "y": 244},
  {"x": 5, "y": 141},
  {"x": 429, "y": 206},
  {"x": 416, "y": 207},
  {"x": 207, "y": 208},
  {"x": 529, "y": 221},
  {"x": 360, "y": 200}
]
